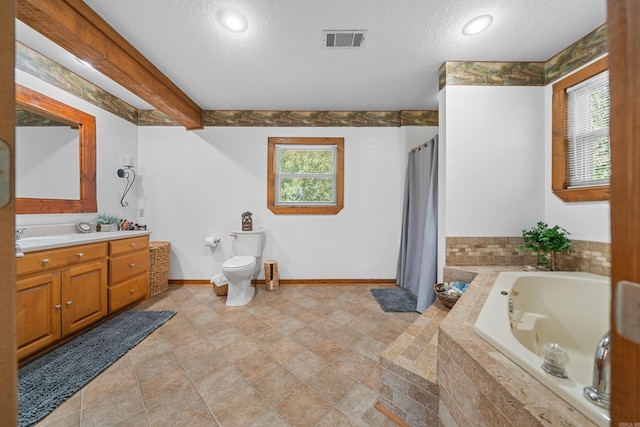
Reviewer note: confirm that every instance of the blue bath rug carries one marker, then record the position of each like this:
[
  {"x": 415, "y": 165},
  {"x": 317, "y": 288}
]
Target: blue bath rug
[
  {"x": 394, "y": 299},
  {"x": 48, "y": 381}
]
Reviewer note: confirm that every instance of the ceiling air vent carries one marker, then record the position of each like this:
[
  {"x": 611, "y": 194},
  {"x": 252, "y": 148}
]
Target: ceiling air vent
[{"x": 341, "y": 39}]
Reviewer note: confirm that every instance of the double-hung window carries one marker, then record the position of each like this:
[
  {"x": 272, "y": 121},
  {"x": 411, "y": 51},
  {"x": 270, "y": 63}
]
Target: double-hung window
[
  {"x": 581, "y": 149},
  {"x": 588, "y": 132},
  {"x": 305, "y": 175}
]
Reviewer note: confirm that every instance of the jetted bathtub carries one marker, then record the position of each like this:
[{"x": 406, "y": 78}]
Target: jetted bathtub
[{"x": 567, "y": 308}]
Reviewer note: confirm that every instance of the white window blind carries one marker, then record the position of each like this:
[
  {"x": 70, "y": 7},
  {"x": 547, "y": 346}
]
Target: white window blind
[{"x": 589, "y": 159}]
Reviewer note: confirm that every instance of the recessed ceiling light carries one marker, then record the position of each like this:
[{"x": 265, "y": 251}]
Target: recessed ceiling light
[
  {"x": 477, "y": 25},
  {"x": 83, "y": 62},
  {"x": 233, "y": 21}
]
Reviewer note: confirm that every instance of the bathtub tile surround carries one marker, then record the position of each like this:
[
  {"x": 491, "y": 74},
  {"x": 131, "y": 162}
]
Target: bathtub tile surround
[
  {"x": 299, "y": 356},
  {"x": 478, "y": 385},
  {"x": 591, "y": 257},
  {"x": 439, "y": 372},
  {"x": 408, "y": 384}
]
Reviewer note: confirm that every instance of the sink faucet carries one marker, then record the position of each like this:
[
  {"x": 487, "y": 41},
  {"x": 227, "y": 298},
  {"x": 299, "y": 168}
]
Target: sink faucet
[
  {"x": 599, "y": 392},
  {"x": 19, "y": 233}
]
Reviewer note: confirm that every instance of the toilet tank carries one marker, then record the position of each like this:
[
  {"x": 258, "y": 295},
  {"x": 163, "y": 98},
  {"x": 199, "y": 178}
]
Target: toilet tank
[{"x": 248, "y": 243}]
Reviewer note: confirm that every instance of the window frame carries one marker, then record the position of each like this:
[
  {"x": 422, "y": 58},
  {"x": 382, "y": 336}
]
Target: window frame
[
  {"x": 560, "y": 142},
  {"x": 308, "y": 209}
]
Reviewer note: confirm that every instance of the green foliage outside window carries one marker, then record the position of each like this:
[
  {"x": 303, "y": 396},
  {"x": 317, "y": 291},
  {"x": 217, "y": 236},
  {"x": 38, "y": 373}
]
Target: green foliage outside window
[
  {"x": 599, "y": 110},
  {"x": 315, "y": 168},
  {"x": 306, "y": 161}
]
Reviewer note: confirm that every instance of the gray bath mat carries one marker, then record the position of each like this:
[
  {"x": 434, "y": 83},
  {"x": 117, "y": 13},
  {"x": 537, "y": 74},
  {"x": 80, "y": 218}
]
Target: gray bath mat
[
  {"x": 48, "y": 381},
  {"x": 394, "y": 299}
]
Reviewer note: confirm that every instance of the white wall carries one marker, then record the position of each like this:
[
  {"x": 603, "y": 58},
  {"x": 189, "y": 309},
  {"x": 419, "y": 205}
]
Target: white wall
[
  {"x": 115, "y": 137},
  {"x": 496, "y": 178},
  {"x": 196, "y": 184},
  {"x": 494, "y": 162}
]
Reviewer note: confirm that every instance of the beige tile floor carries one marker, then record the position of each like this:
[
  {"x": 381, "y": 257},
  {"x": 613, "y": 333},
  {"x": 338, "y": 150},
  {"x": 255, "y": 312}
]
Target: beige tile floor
[{"x": 299, "y": 356}]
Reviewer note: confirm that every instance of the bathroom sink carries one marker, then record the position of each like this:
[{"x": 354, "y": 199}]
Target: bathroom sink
[{"x": 42, "y": 240}]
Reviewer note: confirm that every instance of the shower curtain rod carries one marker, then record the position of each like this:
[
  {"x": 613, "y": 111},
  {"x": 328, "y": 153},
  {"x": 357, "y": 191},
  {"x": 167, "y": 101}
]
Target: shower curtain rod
[{"x": 419, "y": 147}]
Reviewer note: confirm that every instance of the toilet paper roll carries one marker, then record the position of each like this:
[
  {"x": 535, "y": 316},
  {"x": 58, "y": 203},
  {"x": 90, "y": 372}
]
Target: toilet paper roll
[{"x": 211, "y": 241}]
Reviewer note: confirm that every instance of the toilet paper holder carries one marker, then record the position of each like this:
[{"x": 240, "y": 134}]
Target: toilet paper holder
[{"x": 212, "y": 241}]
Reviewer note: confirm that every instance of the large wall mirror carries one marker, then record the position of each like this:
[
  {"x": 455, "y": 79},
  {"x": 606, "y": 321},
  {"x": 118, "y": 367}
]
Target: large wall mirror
[{"x": 55, "y": 156}]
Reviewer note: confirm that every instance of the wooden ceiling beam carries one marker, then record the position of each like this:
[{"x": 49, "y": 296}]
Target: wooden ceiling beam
[{"x": 75, "y": 27}]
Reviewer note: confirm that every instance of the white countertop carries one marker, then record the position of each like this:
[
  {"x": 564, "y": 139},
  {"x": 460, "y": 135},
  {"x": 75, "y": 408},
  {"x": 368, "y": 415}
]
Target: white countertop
[{"x": 38, "y": 243}]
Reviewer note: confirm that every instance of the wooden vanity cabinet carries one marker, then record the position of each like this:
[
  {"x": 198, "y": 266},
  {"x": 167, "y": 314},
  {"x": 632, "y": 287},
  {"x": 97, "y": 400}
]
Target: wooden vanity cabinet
[
  {"x": 128, "y": 271},
  {"x": 64, "y": 290},
  {"x": 59, "y": 292}
]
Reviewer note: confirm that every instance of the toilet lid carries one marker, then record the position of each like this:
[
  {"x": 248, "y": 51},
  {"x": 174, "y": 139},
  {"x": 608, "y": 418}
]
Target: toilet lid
[{"x": 239, "y": 262}]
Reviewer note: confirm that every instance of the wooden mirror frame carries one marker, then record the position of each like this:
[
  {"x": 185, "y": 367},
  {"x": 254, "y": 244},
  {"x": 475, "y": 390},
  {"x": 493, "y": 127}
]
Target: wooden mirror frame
[{"x": 49, "y": 107}]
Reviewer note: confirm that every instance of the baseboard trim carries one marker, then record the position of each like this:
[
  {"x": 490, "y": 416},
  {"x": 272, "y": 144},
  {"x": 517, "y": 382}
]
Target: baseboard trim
[
  {"x": 181, "y": 282},
  {"x": 300, "y": 282},
  {"x": 393, "y": 417}
]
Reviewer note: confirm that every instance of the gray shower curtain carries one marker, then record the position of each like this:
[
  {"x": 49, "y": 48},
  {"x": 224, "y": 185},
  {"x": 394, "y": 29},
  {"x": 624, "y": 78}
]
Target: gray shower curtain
[{"x": 417, "y": 261}]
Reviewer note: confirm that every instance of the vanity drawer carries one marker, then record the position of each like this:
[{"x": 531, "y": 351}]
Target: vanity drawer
[
  {"x": 52, "y": 258},
  {"x": 123, "y": 246},
  {"x": 127, "y": 292},
  {"x": 123, "y": 267}
]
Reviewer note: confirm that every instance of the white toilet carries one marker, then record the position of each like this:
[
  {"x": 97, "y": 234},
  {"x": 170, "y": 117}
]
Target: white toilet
[{"x": 239, "y": 270}]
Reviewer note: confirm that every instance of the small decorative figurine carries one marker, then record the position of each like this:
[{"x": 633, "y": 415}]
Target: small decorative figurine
[{"x": 247, "y": 221}]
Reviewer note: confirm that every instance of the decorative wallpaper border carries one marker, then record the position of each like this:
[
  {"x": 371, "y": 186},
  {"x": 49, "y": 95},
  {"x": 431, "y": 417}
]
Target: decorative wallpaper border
[
  {"x": 155, "y": 118},
  {"x": 454, "y": 73},
  {"x": 32, "y": 62},
  {"x": 585, "y": 50},
  {"x": 264, "y": 118},
  {"x": 466, "y": 73},
  {"x": 38, "y": 65}
]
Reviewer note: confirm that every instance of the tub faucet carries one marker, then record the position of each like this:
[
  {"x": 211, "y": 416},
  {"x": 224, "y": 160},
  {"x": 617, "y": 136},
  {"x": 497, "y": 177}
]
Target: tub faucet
[
  {"x": 599, "y": 392},
  {"x": 19, "y": 233}
]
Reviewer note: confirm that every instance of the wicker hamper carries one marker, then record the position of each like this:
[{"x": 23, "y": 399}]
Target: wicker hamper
[{"x": 159, "y": 256}]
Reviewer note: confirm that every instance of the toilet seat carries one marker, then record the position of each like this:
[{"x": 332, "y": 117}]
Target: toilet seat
[{"x": 239, "y": 263}]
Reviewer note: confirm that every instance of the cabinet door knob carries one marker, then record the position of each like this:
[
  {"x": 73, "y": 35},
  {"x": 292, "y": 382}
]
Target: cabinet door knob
[
  {"x": 133, "y": 245},
  {"x": 132, "y": 265},
  {"x": 57, "y": 307},
  {"x": 132, "y": 291},
  {"x": 69, "y": 303},
  {"x": 45, "y": 261},
  {"x": 80, "y": 254}
]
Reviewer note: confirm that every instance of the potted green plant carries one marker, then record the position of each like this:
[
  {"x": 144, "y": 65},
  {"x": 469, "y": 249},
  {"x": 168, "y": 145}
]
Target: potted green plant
[
  {"x": 106, "y": 223},
  {"x": 547, "y": 242}
]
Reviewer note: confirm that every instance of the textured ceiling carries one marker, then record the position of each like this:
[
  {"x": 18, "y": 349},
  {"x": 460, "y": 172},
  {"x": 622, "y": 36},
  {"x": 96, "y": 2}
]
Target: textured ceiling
[{"x": 279, "y": 63}]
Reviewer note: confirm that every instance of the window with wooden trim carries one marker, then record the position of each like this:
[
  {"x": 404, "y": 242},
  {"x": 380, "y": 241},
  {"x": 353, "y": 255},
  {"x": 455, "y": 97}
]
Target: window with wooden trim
[
  {"x": 305, "y": 175},
  {"x": 581, "y": 154}
]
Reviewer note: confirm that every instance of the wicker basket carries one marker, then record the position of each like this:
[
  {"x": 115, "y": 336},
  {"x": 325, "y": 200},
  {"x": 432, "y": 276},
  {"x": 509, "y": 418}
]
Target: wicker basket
[
  {"x": 271, "y": 276},
  {"x": 445, "y": 299},
  {"x": 220, "y": 290},
  {"x": 159, "y": 256}
]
